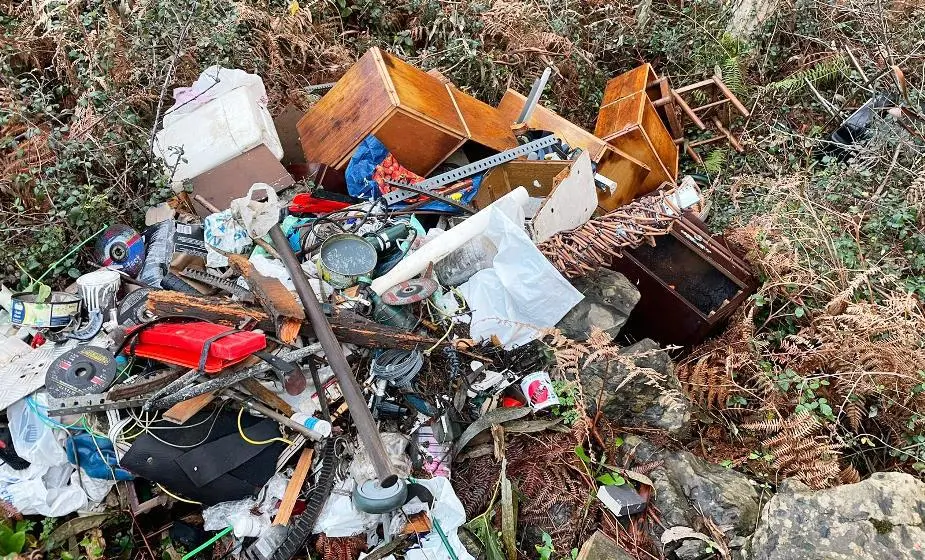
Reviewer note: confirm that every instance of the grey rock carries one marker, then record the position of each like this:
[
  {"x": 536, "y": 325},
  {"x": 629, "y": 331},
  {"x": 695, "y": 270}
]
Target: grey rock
[
  {"x": 638, "y": 401},
  {"x": 602, "y": 547},
  {"x": 609, "y": 299},
  {"x": 882, "y": 517},
  {"x": 688, "y": 488}
]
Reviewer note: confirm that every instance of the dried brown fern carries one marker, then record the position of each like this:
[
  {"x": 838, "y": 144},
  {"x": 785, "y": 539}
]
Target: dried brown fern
[{"x": 799, "y": 450}]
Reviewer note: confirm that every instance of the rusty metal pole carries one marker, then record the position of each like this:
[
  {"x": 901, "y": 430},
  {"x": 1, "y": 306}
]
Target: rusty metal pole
[{"x": 362, "y": 417}]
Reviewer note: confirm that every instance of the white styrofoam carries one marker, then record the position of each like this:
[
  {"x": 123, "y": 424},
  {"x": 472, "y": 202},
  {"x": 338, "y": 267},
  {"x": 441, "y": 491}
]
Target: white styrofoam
[{"x": 216, "y": 132}]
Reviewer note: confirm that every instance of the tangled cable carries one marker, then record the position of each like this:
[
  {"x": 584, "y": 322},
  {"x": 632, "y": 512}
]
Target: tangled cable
[{"x": 398, "y": 367}]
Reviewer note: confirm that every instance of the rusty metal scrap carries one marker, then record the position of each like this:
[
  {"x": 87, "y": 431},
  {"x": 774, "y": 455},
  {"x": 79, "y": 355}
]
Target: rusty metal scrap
[{"x": 594, "y": 244}]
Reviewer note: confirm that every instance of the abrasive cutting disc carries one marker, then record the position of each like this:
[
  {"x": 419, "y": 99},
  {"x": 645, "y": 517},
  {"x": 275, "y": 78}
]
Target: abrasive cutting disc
[
  {"x": 133, "y": 309},
  {"x": 86, "y": 370},
  {"x": 409, "y": 291}
]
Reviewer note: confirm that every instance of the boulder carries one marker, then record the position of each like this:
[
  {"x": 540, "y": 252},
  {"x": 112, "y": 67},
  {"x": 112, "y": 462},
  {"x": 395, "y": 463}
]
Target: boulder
[
  {"x": 638, "y": 401},
  {"x": 882, "y": 517},
  {"x": 688, "y": 488},
  {"x": 609, "y": 299}
]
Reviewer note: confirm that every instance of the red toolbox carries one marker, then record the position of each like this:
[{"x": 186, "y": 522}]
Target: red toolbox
[{"x": 184, "y": 344}]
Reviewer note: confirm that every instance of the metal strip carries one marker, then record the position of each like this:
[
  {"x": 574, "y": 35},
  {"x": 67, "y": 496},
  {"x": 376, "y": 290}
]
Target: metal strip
[{"x": 473, "y": 168}]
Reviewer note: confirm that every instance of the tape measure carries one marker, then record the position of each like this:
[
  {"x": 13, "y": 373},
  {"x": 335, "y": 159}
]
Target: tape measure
[{"x": 86, "y": 370}]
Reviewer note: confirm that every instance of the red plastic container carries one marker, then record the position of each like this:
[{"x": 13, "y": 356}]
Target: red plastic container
[{"x": 182, "y": 344}]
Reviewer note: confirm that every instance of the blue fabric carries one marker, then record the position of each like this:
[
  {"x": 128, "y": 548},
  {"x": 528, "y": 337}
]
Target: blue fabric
[
  {"x": 370, "y": 154},
  {"x": 98, "y": 459},
  {"x": 367, "y": 156}
]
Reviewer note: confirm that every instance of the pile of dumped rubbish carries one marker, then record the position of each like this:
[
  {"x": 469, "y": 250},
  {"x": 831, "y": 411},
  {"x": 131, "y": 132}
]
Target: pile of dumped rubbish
[{"x": 338, "y": 307}]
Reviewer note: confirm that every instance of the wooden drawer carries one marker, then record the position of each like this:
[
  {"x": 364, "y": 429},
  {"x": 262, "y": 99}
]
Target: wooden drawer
[
  {"x": 630, "y": 173},
  {"x": 690, "y": 284},
  {"x": 632, "y": 125},
  {"x": 410, "y": 111},
  {"x": 628, "y": 83},
  {"x": 484, "y": 124}
]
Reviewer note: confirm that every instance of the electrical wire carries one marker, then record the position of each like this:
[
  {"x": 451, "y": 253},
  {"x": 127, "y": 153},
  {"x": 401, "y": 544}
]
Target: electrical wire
[
  {"x": 175, "y": 497},
  {"x": 150, "y": 429},
  {"x": 398, "y": 367},
  {"x": 34, "y": 406},
  {"x": 254, "y": 442}
]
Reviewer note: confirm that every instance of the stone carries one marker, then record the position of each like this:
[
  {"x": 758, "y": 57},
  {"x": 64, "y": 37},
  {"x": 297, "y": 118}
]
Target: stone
[
  {"x": 609, "y": 299},
  {"x": 602, "y": 547},
  {"x": 880, "y": 518},
  {"x": 688, "y": 488},
  {"x": 637, "y": 401}
]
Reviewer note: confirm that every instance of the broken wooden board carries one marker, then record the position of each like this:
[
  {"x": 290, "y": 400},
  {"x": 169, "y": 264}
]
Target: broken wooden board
[
  {"x": 294, "y": 488},
  {"x": 347, "y": 327},
  {"x": 538, "y": 177},
  {"x": 233, "y": 178},
  {"x": 287, "y": 314},
  {"x": 183, "y": 411}
]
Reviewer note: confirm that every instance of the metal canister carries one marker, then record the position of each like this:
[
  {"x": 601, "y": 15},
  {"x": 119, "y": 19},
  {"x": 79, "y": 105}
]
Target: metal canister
[
  {"x": 344, "y": 258},
  {"x": 58, "y": 311}
]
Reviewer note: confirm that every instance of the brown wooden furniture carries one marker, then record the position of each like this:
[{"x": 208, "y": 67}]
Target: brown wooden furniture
[
  {"x": 485, "y": 125},
  {"x": 690, "y": 282},
  {"x": 538, "y": 177},
  {"x": 632, "y": 124},
  {"x": 409, "y": 110},
  {"x": 630, "y": 174}
]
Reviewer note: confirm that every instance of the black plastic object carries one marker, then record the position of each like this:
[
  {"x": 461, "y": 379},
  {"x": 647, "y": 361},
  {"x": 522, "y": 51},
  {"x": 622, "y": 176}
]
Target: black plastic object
[
  {"x": 213, "y": 463},
  {"x": 8, "y": 452}
]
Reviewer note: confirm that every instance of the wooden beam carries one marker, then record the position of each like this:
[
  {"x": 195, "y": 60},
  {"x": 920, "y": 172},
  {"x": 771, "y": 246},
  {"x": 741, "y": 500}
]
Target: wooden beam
[
  {"x": 183, "y": 411},
  {"x": 348, "y": 327},
  {"x": 294, "y": 488}
]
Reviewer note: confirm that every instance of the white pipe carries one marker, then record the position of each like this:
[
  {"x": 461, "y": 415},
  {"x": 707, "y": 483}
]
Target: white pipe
[{"x": 438, "y": 248}]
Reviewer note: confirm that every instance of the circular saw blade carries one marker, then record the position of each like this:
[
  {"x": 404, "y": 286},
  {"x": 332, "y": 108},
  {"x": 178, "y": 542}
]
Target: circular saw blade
[
  {"x": 409, "y": 291},
  {"x": 86, "y": 370}
]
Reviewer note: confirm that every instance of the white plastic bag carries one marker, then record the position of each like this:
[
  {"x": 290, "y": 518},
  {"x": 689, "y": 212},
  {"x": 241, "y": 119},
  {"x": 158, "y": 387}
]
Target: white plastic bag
[
  {"x": 238, "y": 514},
  {"x": 257, "y": 216},
  {"x": 33, "y": 440},
  {"x": 340, "y": 518},
  {"x": 521, "y": 294},
  {"x": 222, "y": 231},
  {"x": 448, "y": 510}
]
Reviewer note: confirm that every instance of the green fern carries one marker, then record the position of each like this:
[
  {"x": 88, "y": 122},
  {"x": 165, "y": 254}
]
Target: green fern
[
  {"x": 715, "y": 161},
  {"x": 820, "y": 74},
  {"x": 731, "y": 73}
]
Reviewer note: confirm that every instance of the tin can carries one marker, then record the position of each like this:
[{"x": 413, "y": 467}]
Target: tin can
[
  {"x": 58, "y": 311},
  {"x": 537, "y": 387},
  {"x": 344, "y": 258}
]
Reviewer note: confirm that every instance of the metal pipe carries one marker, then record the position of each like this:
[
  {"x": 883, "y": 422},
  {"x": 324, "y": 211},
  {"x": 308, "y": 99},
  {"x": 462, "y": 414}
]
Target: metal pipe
[
  {"x": 272, "y": 415},
  {"x": 349, "y": 387}
]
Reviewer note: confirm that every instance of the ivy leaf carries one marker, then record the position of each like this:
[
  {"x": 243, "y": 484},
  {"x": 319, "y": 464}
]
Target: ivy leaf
[{"x": 799, "y": 312}]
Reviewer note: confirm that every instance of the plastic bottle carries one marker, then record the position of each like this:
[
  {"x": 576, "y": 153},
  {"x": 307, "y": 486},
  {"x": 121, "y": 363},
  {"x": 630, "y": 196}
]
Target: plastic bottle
[
  {"x": 473, "y": 256},
  {"x": 317, "y": 425}
]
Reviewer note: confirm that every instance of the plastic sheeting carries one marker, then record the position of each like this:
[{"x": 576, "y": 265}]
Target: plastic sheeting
[{"x": 522, "y": 293}]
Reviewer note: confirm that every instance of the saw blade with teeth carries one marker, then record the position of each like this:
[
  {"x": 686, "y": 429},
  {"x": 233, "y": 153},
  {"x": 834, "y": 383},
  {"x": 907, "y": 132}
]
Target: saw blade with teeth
[{"x": 229, "y": 286}]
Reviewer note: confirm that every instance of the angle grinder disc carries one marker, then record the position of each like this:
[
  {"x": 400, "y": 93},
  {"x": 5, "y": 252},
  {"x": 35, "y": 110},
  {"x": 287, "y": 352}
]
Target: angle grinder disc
[
  {"x": 133, "y": 309},
  {"x": 86, "y": 370},
  {"x": 409, "y": 291}
]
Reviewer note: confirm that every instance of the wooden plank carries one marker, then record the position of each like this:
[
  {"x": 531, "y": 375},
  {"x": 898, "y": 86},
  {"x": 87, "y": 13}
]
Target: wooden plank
[
  {"x": 348, "y": 327},
  {"x": 486, "y": 125},
  {"x": 267, "y": 396},
  {"x": 183, "y": 411},
  {"x": 294, "y": 488},
  {"x": 628, "y": 83}
]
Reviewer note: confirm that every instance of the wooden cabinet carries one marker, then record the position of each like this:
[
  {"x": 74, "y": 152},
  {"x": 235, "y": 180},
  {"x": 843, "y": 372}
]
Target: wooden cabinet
[
  {"x": 410, "y": 111},
  {"x": 485, "y": 125},
  {"x": 632, "y": 125},
  {"x": 629, "y": 173},
  {"x": 636, "y": 80},
  {"x": 690, "y": 282}
]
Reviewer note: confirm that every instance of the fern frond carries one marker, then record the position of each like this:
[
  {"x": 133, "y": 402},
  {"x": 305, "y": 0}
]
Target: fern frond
[
  {"x": 820, "y": 74},
  {"x": 715, "y": 161}
]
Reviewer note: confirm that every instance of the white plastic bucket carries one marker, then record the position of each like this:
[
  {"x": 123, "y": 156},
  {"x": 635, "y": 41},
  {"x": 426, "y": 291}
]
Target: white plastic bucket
[{"x": 98, "y": 290}]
